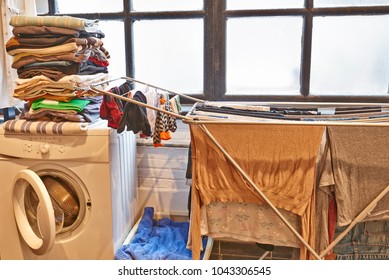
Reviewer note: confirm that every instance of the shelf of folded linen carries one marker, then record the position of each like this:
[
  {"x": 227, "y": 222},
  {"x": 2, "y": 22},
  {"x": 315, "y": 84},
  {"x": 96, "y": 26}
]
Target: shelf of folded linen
[
  {"x": 56, "y": 46},
  {"x": 57, "y": 58}
]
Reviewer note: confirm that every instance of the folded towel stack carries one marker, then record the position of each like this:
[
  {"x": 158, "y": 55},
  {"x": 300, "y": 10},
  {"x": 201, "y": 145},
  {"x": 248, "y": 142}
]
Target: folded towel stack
[{"x": 57, "y": 58}]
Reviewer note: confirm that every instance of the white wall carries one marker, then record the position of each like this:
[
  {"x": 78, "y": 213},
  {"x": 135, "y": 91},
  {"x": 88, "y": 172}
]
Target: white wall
[{"x": 161, "y": 173}]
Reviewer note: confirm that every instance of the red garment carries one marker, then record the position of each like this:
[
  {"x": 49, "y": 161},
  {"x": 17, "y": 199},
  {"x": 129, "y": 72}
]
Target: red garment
[
  {"x": 99, "y": 62},
  {"x": 110, "y": 111}
]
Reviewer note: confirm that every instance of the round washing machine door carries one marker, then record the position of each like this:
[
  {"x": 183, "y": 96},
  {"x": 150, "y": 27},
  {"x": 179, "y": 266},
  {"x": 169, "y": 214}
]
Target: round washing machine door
[
  {"x": 40, "y": 235},
  {"x": 50, "y": 203}
]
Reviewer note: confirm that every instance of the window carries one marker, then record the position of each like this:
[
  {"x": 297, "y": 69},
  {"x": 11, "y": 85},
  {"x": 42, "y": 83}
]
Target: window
[
  {"x": 295, "y": 50},
  {"x": 268, "y": 60},
  {"x": 169, "y": 53},
  {"x": 350, "y": 55}
]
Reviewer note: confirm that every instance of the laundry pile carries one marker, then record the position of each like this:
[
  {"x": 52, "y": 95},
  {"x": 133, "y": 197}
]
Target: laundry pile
[{"x": 57, "y": 58}]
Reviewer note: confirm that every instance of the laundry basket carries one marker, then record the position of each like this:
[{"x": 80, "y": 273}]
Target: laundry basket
[{"x": 162, "y": 239}]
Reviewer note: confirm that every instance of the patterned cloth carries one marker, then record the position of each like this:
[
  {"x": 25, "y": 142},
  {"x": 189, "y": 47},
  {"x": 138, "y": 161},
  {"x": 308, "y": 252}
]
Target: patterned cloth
[{"x": 249, "y": 222}]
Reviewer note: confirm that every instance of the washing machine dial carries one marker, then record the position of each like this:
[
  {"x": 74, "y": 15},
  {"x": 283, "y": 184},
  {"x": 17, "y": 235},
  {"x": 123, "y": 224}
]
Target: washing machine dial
[{"x": 44, "y": 148}]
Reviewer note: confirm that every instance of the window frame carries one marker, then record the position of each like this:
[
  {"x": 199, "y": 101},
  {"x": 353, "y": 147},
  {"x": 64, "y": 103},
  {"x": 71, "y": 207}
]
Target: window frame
[{"x": 215, "y": 18}]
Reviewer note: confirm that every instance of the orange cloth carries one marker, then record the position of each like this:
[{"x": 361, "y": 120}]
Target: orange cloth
[{"x": 280, "y": 159}]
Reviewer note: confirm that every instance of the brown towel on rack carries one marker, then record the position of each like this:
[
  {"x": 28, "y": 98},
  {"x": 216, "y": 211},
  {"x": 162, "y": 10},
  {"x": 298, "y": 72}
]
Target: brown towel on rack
[
  {"x": 325, "y": 217},
  {"x": 280, "y": 159},
  {"x": 360, "y": 164}
]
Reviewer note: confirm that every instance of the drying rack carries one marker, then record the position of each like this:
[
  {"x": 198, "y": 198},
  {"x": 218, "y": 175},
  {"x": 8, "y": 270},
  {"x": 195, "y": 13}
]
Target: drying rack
[{"x": 201, "y": 123}]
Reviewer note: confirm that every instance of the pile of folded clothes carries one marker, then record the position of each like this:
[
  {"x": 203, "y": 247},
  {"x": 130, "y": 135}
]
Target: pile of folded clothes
[{"x": 57, "y": 58}]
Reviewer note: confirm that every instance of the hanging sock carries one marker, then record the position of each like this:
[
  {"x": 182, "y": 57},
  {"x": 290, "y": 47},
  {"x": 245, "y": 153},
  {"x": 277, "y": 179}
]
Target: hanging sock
[
  {"x": 165, "y": 135},
  {"x": 170, "y": 120},
  {"x": 156, "y": 145},
  {"x": 158, "y": 129}
]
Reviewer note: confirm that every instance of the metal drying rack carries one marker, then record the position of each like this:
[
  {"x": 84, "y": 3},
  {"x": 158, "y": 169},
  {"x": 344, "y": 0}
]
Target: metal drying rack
[{"x": 202, "y": 125}]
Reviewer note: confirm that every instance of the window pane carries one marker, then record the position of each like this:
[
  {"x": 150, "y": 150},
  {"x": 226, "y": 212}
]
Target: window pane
[
  {"x": 167, "y": 5},
  {"x": 89, "y": 6},
  {"x": 42, "y": 6},
  {"x": 114, "y": 43},
  {"x": 263, "y": 55},
  {"x": 273, "y": 4},
  {"x": 348, "y": 3},
  {"x": 169, "y": 53},
  {"x": 350, "y": 55}
]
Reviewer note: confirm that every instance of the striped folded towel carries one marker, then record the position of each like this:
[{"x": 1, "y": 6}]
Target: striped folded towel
[
  {"x": 58, "y": 21},
  {"x": 44, "y": 127}
]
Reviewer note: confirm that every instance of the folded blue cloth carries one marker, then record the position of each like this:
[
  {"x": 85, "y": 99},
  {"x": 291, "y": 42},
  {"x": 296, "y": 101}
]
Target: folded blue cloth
[{"x": 157, "y": 240}]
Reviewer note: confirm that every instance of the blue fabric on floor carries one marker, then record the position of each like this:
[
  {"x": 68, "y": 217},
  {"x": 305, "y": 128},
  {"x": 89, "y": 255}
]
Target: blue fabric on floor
[{"x": 157, "y": 240}]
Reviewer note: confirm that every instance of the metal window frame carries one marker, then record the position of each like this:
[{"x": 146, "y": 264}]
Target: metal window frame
[{"x": 215, "y": 16}]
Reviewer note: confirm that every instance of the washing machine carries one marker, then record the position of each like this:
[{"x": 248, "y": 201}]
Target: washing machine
[{"x": 67, "y": 196}]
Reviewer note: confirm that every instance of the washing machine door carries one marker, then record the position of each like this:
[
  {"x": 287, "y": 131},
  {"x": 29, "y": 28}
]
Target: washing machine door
[{"x": 38, "y": 232}]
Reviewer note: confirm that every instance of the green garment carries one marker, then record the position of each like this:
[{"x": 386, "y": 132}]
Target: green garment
[{"x": 74, "y": 104}]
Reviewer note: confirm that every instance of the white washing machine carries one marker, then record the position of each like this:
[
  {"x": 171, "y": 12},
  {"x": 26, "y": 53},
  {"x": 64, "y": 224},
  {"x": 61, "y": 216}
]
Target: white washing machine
[{"x": 67, "y": 197}]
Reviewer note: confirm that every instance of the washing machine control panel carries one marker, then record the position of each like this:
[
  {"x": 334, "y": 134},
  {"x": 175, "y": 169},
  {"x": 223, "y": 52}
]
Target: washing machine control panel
[
  {"x": 56, "y": 147},
  {"x": 44, "y": 145}
]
